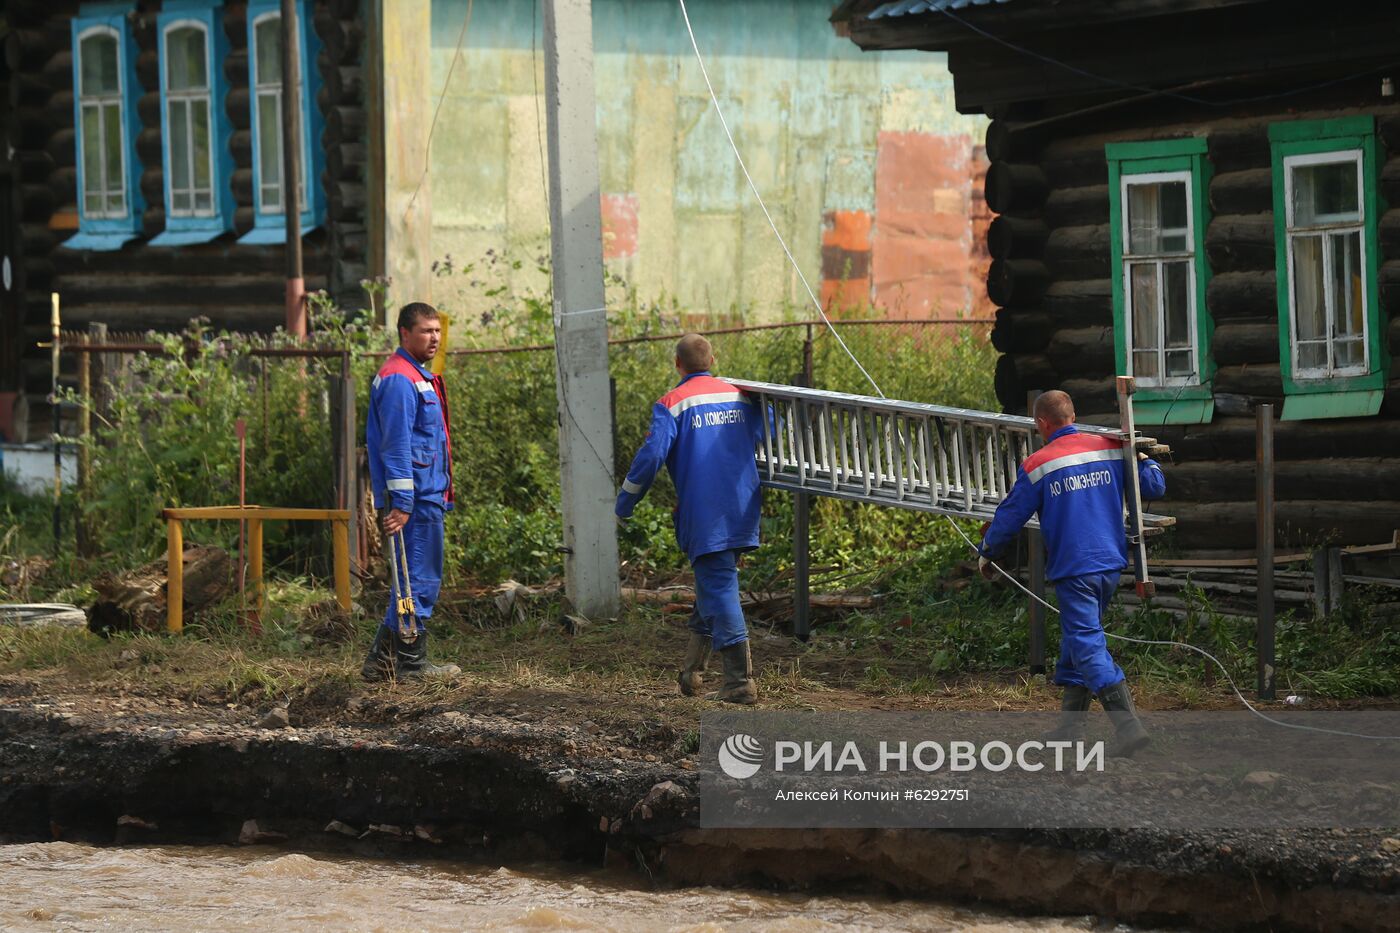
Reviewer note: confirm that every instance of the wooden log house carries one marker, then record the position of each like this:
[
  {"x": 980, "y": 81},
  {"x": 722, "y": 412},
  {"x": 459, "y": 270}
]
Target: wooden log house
[
  {"x": 141, "y": 173},
  {"x": 1204, "y": 194}
]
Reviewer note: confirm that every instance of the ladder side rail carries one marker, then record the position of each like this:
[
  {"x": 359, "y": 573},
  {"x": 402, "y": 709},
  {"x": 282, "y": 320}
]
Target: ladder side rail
[{"x": 1137, "y": 541}]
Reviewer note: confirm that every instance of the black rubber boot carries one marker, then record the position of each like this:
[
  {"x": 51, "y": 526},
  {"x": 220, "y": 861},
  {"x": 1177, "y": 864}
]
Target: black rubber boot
[
  {"x": 1073, "y": 705},
  {"x": 1118, "y": 703},
  {"x": 697, "y": 654},
  {"x": 738, "y": 686},
  {"x": 379, "y": 666},
  {"x": 413, "y": 663}
]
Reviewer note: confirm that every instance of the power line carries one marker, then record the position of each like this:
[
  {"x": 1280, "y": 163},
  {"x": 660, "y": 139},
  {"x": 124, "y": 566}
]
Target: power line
[
  {"x": 754, "y": 188},
  {"x": 442, "y": 95}
]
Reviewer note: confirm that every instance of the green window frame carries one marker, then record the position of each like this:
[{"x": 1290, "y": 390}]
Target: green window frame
[
  {"x": 1331, "y": 384},
  {"x": 1163, "y": 399}
]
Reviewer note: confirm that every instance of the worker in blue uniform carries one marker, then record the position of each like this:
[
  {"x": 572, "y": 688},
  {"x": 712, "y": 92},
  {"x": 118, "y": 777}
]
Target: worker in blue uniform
[
  {"x": 1076, "y": 484},
  {"x": 705, "y": 431},
  {"x": 409, "y": 445}
]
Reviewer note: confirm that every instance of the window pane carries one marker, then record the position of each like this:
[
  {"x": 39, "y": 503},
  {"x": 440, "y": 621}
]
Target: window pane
[
  {"x": 179, "y": 202},
  {"x": 1157, "y": 218},
  {"x": 1179, "y": 363},
  {"x": 92, "y": 159},
  {"x": 1308, "y": 307},
  {"x": 98, "y": 54},
  {"x": 1144, "y": 305},
  {"x": 179, "y": 149},
  {"x": 203, "y": 202},
  {"x": 1325, "y": 193},
  {"x": 200, "y": 128},
  {"x": 270, "y": 150},
  {"x": 268, "y": 36},
  {"x": 184, "y": 51},
  {"x": 1349, "y": 353},
  {"x": 1346, "y": 287},
  {"x": 1312, "y": 355},
  {"x": 1175, "y": 280},
  {"x": 1145, "y": 365},
  {"x": 112, "y": 125}
]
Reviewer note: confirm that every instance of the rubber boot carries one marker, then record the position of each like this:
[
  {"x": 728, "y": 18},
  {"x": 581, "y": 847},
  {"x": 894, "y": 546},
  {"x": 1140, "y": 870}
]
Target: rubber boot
[
  {"x": 738, "y": 686},
  {"x": 1118, "y": 703},
  {"x": 379, "y": 666},
  {"x": 697, "y": 654},
  {"x": 1073, "y": 704},
  {"x": 413, "y": 663}
]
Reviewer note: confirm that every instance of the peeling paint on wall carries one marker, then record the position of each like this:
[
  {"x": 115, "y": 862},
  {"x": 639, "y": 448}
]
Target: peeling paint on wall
[
  {"x": 845, "y": 260},
  {"x": 830, "y": 135},
  {"x": 619, "y": 226},
  {"x": 923, "y": 245}
]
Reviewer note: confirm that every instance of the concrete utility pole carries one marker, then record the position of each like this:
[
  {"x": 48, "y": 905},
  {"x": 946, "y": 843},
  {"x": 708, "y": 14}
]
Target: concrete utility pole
[
  {"x": 292, "y": 169},
  {"x": 580, "y": 322}
]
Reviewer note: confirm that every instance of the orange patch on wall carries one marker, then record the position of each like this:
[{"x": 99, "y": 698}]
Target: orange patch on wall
[
  {"x": 845, "y": 260},
  {"x": 619, "y": 226},
  {"x": 926, "y": 245}
]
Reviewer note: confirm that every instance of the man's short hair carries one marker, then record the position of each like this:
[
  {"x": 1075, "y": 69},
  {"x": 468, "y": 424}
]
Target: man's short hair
[
  {"x": 1055, "y": 407},
  {"x": 693, "y": 353},
  {"x": 413, "y": 312}
]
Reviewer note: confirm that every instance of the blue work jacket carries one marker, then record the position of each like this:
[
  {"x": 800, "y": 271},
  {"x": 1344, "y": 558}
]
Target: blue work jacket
[
  {"x": 705, "y": 432},
  {"x": 407, "y": 437},
  {"x": 1075, "y": 483}
]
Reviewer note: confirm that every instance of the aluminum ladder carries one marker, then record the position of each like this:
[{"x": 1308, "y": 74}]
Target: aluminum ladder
[{"x": 930, "y": 458}]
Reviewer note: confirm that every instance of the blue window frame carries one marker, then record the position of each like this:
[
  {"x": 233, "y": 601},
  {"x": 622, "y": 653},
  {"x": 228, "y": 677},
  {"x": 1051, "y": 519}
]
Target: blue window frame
[
  {"x": 195, "y": 128},
  {"x": 265, "y": 78},
  {"x": 105, "y": 91}
]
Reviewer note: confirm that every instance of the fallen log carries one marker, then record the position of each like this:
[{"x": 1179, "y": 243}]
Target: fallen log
[{"x": 136, "y": 600}]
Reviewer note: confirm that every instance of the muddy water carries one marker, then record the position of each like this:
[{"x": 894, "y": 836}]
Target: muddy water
[{"x": 58, "y": 886}]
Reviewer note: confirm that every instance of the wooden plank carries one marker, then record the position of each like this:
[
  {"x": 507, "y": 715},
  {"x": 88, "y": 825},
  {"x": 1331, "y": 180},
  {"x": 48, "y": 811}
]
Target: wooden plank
[{"x": 233, "y": 512}]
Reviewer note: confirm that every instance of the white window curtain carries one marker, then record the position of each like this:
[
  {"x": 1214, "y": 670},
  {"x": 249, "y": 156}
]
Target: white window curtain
[{"x": 1325, "y": 258}]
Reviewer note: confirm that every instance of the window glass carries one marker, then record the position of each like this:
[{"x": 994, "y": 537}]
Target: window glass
[
  {"x": 270, "y": 151},
  {"x": 94, "y": 202},
  {"x": 1157, "y": 218},
  {"x": 185, "y": 59},
  {"x": 98, "y": 65},
  {"x": 1326, "y": 193},
  {"x": 112, "y": 156},
  {"x": 268, "y": 39}
]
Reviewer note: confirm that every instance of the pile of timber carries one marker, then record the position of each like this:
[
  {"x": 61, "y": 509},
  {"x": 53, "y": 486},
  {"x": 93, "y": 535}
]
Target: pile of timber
[{"x": 136, "y": 600}]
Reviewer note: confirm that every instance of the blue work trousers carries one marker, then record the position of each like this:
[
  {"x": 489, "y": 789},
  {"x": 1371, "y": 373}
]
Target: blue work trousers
[
  {"x": 422, "y": 539},
  {"x": 717, "y": 614},
  {"x": 1084, "y": 657}
]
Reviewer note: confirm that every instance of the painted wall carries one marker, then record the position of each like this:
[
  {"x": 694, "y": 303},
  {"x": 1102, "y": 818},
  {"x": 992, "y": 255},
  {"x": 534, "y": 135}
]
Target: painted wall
[{"x": 868, "y": 170}]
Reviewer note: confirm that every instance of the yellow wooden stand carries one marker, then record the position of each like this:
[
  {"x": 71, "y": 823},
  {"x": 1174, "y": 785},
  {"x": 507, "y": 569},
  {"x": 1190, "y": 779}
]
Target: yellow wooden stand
[{"x": 254, "y": 515}]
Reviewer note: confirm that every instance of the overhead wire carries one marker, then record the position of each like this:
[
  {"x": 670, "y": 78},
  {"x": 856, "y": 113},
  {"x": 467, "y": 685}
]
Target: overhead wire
[
  {"x": 442, "y": 95},
  {"x": 719, "y": 111}
]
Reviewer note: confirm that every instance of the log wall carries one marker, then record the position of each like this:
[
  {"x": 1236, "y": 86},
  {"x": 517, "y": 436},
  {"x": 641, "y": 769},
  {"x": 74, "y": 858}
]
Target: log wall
[
  {"x": 1050, "y": 276},
  {"x": 235, "y": 286}
]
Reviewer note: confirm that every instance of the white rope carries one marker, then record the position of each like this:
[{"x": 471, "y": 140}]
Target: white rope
[
  {"x": 754, "y": 188},
  {"x": 818, "y": 306},
  {"x": 1177, "y": 644}
]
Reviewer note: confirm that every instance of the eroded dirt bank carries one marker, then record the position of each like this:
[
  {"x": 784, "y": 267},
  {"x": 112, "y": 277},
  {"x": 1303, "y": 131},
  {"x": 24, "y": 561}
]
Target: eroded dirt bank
[{"x": 510, "y": 782}]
